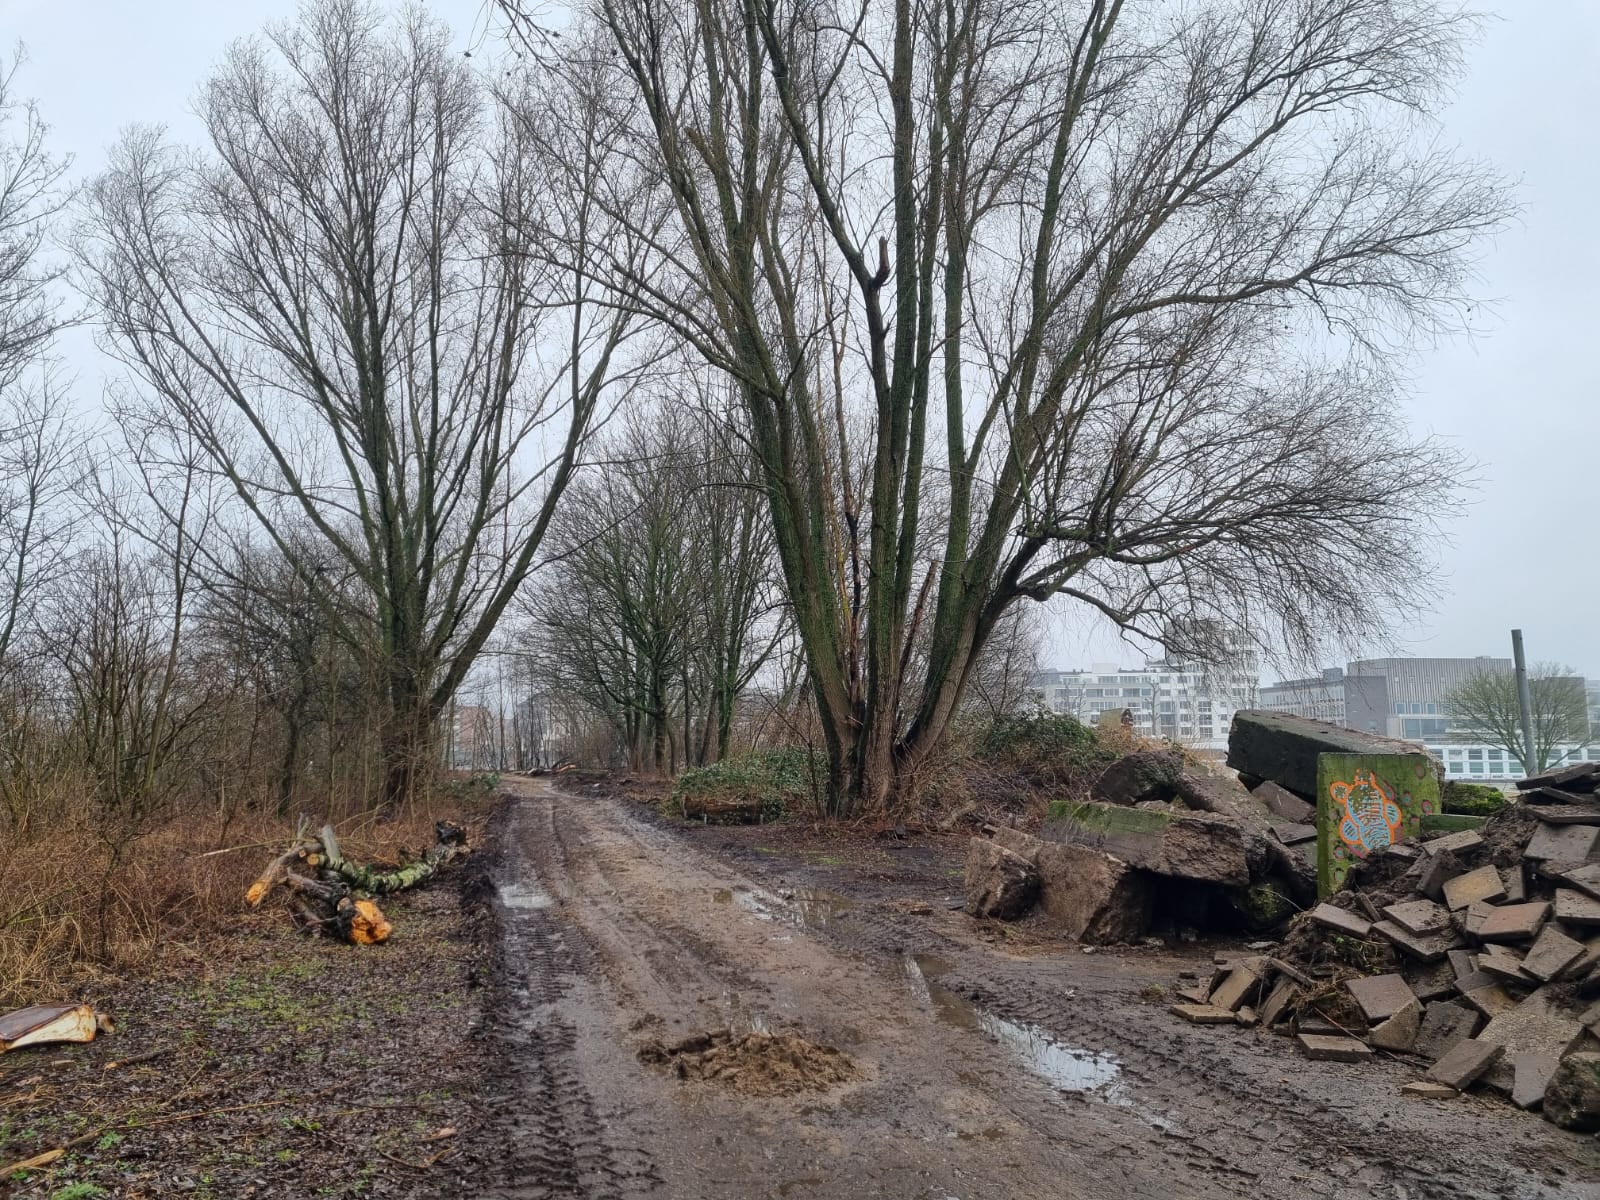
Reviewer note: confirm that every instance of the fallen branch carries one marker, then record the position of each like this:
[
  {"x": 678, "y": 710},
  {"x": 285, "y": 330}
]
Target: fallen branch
[{"x": 331, "y": 894}]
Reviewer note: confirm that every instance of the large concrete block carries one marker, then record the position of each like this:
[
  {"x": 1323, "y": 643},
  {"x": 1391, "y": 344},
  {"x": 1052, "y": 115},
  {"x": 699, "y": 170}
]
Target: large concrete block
[
  {"x": 1285, "y": 748},
  {"x": 1000, "y": 883},
  {"x": 1365, "y": 803},
  {"x": 1183, "y": 845},
  {"x": 1086, "y": 894}
]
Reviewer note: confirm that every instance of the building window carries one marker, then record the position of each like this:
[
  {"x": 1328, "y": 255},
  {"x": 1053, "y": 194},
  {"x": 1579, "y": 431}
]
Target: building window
[
  {"x": 1475, "y": 755},
  {"x": 1399, "y": 710},
  {"x": 1477, "y": 768},
  {"x": 1496, "y": 754}
]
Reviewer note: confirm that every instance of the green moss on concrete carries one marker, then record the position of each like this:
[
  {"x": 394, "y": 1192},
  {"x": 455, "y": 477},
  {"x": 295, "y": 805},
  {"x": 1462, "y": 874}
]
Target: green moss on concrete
[
  {"x": 1449, "y": 822},
  {"x": 1110, "y": 818}
]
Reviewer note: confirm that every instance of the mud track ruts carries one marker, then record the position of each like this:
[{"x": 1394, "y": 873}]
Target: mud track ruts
[{"x": 554, "y": 1143}]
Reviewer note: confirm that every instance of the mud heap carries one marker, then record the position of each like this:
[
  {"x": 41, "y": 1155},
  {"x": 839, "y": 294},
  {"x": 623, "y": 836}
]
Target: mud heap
[
  {"x": 1474, "y": 955},
  {"x": 755, "y": 1064}
]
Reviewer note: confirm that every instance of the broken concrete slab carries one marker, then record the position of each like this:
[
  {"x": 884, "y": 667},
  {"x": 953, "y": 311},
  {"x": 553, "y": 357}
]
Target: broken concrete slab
[
  {"x": 1000, "y": 883},
  {"x": 1531, "y": 1071},
  {"x": 1399, "y": 1032},
  {"x": 1585, "y": 878},
  {"x": 1088, "y": 895},
  {"x": 1243, "y": 984},
  {"x": 1477, "y": 913},
  {"x": 1463, "y": 962},
  {"x": 1379, "y": 997},
  {"x": 1281, "y": 802},
  {"x": 1142, "y": 775},
  {"x": 1426, "y": 1089},
  {"x": 1491, "y": 999},
  {"x": 1503, "y": 963},
  {"x": 1562, "y": 843},
  {"x": 1295, "y": 835},
  {"x": 1443, "y": 1025},
  {"x": 1437, "y": 870},
  {"x": 1193, "y": 995},
  {"x": 1551, "y": 954},
  {"x": 1430, "y": 981},
  {"x": 1575, "y": 908},
  {"x": 1246, "y": 1016},
  {"x": 1425, "y": 949},
  {"x": 1278, "y": 1001},
  {"x": 1332, "y": 1047},
  {"x": 1572, "y": 1098},
  {"x": 1203, "y": 1014},
  {"x": 1540, "y": 1023},
  {"x": 1462, "y": 843},
  {"x": 1341, "y": 920},
  {"x": 1464, "y": 1062},
  {"x": 1422, "y": 917},
  {"x": 1201, "y": 847},
  {"x": 1516, "y": 883},
  {"x": 1516, "y": 922},
  {"x": 1484, "y": 884}
]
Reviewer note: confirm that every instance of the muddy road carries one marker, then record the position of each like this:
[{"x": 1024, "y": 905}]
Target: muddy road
[{"x": 981, "y": 1073}]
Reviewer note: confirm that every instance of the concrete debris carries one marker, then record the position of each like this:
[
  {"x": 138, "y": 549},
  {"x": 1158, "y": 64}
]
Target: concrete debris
[
  {"x": 1483, "y": 884},
  {"x": 1426, "y": 1089},
  {"x": 1284, "y": 803},
  {"x": 1084, "y": 893},
  {"x": 1203, "y": 1014},
  {"x": 1552, "y": 953},
  {"x": 1443, "y": 1025},
  {"x": 1380, "y": 996},
  {"x": 1399, "y": 1032},
  {"x": 1340, "y": 921},
  {"x": 1572, "y": 1097},
  {"x": 1464, "y": 1062},
  {"x": 1333, "y": 1047},
  {"x": 1000, "y": 883},
  {"x": 1476, "y": 950}
]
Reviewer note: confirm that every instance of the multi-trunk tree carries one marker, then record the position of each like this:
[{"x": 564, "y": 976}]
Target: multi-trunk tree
[
  {"x": 1094, "y": 300},
  {"x": 366, "y": 300},
  {"x": 1485, "y": 708}
]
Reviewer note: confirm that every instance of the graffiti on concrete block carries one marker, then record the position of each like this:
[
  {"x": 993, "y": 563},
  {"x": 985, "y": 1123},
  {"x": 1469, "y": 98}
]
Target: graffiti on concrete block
[{"x": 1369, "y": 815}]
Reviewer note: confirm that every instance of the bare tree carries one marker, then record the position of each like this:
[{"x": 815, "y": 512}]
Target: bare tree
[
  {"x": 41, "y": 465},
  {"x": 657, "y": 609},
  {"x": 1485, "y": 709},
  {"x": 1121, "y": 287},
  {"x": 348, "y": 302}
]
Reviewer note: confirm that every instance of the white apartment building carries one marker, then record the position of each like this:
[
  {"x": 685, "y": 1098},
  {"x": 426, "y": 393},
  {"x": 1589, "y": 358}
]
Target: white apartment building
[{"x": 1181, "y": 702}]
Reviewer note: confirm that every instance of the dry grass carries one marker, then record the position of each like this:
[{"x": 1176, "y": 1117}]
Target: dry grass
[{"x": 94, "y": 898}]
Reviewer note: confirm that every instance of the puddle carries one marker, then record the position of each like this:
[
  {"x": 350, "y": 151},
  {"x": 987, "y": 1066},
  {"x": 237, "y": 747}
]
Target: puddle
[
  {"x": 1065, "y": 1068},
  {"x": 804, "y": 908},
  {"x": 516, "y": 895}
]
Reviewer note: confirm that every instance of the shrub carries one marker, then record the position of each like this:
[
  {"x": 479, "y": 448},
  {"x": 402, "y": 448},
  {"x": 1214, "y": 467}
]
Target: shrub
[
  {"x": 1048, "y": 749},
  {"x": 1471, "y": 799},
  {"x": 749, "y": 787}
]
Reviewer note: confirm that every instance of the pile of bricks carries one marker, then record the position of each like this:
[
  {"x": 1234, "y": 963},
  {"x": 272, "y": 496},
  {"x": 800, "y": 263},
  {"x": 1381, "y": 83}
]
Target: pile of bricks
[{"x": 1473, "y": 956}]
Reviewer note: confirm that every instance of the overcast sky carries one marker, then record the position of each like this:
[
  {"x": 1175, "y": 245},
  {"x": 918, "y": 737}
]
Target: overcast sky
[{"x": 1521, "y": 400}]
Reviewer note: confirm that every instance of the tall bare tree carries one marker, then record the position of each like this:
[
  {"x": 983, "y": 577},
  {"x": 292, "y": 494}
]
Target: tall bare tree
[
  {"x": 1095, "y": 293},
  {"x": 1485, "y": 708},
  {"x": 347, "y": 298},
  {"x": 41, "y": 464}
]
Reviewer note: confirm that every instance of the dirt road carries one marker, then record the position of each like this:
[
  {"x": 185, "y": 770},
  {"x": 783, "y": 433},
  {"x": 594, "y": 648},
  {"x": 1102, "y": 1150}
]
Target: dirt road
[{"x": 982, "y": 1074}]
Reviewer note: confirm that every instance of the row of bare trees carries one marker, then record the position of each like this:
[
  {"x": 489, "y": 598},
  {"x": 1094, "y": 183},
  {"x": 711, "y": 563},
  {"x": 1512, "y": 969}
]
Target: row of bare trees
[{"x": 908, "y": 315}]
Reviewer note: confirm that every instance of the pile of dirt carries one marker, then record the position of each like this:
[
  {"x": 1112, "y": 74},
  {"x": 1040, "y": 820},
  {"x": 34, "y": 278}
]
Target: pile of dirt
[{"x": 755, "y": 1064}]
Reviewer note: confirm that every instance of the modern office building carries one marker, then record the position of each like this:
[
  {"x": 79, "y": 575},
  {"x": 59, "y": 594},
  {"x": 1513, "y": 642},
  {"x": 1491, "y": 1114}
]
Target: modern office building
[{"x": 1405, "y": 698}]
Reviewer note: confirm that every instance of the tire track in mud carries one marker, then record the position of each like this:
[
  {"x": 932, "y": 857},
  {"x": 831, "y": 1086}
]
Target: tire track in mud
[
  {"x": 555, "y": 1142},
  {"x": 1277, "y": 1141}
]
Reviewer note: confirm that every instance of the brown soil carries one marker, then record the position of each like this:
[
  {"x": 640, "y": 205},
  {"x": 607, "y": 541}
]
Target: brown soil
[
  {"x": 757, "y": 1064},
  {"x": 492, "y": 1048}
]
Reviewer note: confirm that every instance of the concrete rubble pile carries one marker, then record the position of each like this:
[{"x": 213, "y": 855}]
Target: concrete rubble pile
[
  {"x": 1162, "y": 843},
  {"x": 1472, "y": 955}
]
